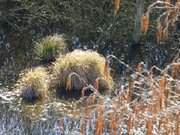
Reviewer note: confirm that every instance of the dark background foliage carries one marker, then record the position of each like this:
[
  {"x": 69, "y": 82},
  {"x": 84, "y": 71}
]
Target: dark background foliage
[{"x": 23, "y": 22}]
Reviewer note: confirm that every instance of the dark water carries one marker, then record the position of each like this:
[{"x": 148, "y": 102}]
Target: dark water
[
  {"x": 53, "y": 117},
  {"x": 39, "y": 119}
]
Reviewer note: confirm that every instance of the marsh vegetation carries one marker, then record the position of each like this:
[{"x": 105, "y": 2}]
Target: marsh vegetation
[{"x": 89, "y": 67}]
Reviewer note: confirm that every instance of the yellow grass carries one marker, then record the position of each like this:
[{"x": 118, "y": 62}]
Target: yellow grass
[
  {"x": 81, "y": 68},
  {"x": 85, "y": 59},
  {"x": 35, "y": 78}
]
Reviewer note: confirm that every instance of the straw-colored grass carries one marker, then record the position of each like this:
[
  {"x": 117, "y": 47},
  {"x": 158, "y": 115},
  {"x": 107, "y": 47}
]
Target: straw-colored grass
[
  {"x": 78, "y": 69},
  {"x": 33, "y": 84}
]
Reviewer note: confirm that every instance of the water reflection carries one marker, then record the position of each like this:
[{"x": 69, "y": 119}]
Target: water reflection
[
  {"x": 43, "y": 118},
  {"x": 52, "y": 117}
]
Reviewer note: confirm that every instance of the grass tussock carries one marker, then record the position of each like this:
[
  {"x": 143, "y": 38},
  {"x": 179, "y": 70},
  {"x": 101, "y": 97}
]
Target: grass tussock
[
  {"x": 48, "y": 48},
  {"x": 78, "y": 69},
  {"x": 33, "y": 84}
]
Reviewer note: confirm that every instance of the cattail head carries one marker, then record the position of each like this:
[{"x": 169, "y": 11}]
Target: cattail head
[
  {"x": 116, "y": 6},
  {"x": 159, "y": 30},
  {"x": 100, "y": 120},
  {"x": 144, "y": 23},
  {"x": 149, "y": 126}
]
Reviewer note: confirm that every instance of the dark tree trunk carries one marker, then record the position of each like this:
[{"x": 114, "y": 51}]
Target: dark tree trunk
[
  {"x": 137, "y": 27},
  {"x": 134, "y": 47}
]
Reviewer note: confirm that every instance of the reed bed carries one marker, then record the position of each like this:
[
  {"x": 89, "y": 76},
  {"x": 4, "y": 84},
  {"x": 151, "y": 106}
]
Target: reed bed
[{"x": 149, "y": 104}]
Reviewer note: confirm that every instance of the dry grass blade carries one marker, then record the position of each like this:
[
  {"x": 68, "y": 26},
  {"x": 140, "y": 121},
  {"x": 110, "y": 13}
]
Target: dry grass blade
[
  {"x": 116, "y": 6},
  {"x": 177, "y": 132},
  {"x": 106, "y": 70},
  {"x": 165, "y": 33},
  {"x": 176, "y": 70},
  {"x": 167, "y": 1},
  {"x": 82, "y": 126},
  {"x": 149, "y": 126},
  {"x": 113, "y": 123},
  {"x": 130, "y": 123},
  {"x": 61, "y": 125},
  {"x": 178, "y": 4},
  {"x": 159, "y": 30},
  {"x": 130, "y": 90},
  {"x": 99, "y": 121},
  {"x": 96, "y": 84},
  {"x": 68, "y": 83},
  {"x": 162, "y": 85},
  {"x": 144, "y": 23}
]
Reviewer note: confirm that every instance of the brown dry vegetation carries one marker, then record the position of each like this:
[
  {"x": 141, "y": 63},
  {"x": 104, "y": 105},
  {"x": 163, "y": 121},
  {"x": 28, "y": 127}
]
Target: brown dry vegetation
[
  {"x": 78, "y": 69},
  {"x": 165, "y": 22},
  {"x": 33, "y": 84},
  {"x": 155, "y": 108}
]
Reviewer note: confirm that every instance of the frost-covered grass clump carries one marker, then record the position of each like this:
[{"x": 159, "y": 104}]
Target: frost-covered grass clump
[
  {"x": 33, "y": 85},
  {"x": 78, "y": 69}
]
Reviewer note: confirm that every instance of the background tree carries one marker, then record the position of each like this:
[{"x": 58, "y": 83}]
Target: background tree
[
  {"x": 134, "y": 48},
  {"x": 108, "y": 26}
]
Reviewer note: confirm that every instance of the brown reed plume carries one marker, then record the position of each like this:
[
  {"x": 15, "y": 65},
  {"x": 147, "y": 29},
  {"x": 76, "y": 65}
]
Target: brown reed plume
[
  {"x": 156, "y": 113},
  {"x": 116, "y": 6},
  {"x": 144, "y": 23},
  {"x": 113, "y": 122},
  {"x": 165, "y": 20},
  {"x": 100, "y": 121}
]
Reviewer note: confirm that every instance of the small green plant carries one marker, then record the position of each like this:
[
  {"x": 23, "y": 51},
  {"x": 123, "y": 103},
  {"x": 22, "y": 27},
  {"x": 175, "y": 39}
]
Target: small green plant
[
  {"x": 50, "y": 47},
  {"x": 33, "y": 85}
]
